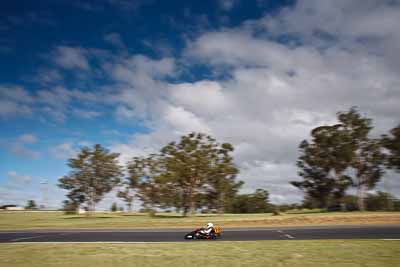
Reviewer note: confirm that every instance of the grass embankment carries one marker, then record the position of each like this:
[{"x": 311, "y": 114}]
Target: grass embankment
[
  {"x": 58, "y": 220},
  {"x": 254, "y": 253}
]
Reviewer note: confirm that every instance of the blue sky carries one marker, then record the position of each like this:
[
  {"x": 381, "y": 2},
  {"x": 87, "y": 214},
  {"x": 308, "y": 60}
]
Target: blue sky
[{"x": 133, "y": 75}]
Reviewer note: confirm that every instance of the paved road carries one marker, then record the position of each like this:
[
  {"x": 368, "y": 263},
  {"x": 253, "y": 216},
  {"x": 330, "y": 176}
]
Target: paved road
[{"x": 282, "y": 233}]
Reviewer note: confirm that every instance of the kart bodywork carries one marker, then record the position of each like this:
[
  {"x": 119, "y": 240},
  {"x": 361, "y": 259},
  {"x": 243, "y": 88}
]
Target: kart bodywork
[{"x": 196, "y": 234}]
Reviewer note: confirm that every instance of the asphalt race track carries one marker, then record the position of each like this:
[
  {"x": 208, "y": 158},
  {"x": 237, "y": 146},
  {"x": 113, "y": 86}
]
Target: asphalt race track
[{"x": 281, "y": 233}]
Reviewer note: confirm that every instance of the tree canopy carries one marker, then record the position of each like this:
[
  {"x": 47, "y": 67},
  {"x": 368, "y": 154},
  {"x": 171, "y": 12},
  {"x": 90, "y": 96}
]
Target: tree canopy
[
  {"x": 392, "y": 144},
  {"x": 196, "y": 172}
]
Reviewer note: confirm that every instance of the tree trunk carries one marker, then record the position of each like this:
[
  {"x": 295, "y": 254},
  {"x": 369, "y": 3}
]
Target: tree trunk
[
  {"x": 192, "y": 204},
  {"x": 192, "y": 197},
  {"x": 92, "y": 203},
  {"x": 130, "y": 206},
  {"x": 360, "y": 200},
  {"x": 221, "y": 206}
]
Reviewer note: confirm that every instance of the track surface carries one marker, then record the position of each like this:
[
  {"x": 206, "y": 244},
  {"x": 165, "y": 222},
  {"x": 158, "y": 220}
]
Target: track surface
[{"x": 282, "y": 233}]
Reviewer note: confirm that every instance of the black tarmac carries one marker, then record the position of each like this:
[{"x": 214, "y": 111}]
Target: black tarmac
[{"x": 176, "y": 235}]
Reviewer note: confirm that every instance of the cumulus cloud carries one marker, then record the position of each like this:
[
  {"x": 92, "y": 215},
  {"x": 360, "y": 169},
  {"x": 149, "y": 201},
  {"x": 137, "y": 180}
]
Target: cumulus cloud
[
  {"x": 14, "y": 101},
  {"x": 278, "y": 91},
  {"x": 184, "y": 121},
  {"x": 285, "y": 74}
]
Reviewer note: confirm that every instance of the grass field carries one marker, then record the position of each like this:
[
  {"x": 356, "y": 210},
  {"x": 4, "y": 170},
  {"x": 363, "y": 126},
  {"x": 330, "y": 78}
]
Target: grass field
[
  {"x": 253, "y": 253},
  {"x": 58, "y": 220}
]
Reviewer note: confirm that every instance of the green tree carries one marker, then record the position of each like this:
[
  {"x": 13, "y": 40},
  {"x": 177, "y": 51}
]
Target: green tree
[
  {"x": 114, "y": 207},
  {"x": 392, "y": 144},
  {"x": 378, "y": 201},
  {"x": 187, "y": 175},
  {"x": 31, "y": 205},
  {"x": 127, "y": 195},
  {"x": 94, "y": 173},
  {"x": 146, "y": 174},
  {"x": 366, "y": 156},
  {"x": 322, "y": 164},
  {"x": 334, "y": 153},
  {"x": 257, "y": 202},
  {"x": 70, "y": 207}
]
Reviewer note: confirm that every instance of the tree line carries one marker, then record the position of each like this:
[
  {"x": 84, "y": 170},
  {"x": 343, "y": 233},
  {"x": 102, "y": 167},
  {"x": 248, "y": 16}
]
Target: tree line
[{"x": 197, "y": 173}]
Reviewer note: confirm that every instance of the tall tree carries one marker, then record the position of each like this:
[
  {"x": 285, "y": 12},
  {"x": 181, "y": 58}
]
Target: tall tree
[
  {"x": 322, "y": 164},
  {"x": 334, "y": 153},
  {"x": 184, "y": 174},
  {"x": 366, "y": 155},
  {"x": 94, "y": 173},
  {"x": 145, "y": 174},
  {"x": 221, "y": 181},
  {"x": 31, "y": 205}
]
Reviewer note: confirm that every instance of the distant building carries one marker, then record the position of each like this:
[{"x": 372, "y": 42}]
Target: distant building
[{"x": 11, "y": 207}]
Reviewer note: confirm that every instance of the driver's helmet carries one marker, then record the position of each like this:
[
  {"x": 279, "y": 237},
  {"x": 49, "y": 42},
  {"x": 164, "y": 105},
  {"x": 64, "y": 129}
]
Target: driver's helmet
[{"x": 210, "y": 225}]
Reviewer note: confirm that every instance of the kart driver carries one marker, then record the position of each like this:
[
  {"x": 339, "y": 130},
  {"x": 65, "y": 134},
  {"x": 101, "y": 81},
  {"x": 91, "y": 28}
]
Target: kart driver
[{"x": 208, "y": 229}]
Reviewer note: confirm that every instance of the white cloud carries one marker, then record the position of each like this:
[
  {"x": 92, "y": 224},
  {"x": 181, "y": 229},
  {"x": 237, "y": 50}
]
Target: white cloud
[
  {"x": 74, "y": 58},
  {"x": 14, "y": 101},
  {"x": 337, "y": 54},
  {"x": 227, "y": 4},
  {"x": 15, "y": 94},
  {"x": 20, "y": 150},
  {"x": 278, "y": 91},
  {"x": 18, "y": 179},
  {"x": 204, "y": 97},
  {"x": 86, "y": 114},
  {"x": 63, "y": 151},
  {"x": 183, "y": 121},
  {"x": 124, "y": 113},
  {"x": 11, "y": 109},
  {"x": 48, "y": 76},
  {"x": 114, "y": 39},
  {"x": 28, "y": 138}
]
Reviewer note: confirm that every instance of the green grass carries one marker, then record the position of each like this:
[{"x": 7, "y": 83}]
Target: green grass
[
  {"x": 253, "y": 253},
  {"x": 58, "y": 220}
]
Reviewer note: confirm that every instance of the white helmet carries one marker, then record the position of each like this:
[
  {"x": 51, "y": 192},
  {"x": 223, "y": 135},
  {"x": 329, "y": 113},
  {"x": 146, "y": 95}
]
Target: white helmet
[{"x": 209, "y": 225}]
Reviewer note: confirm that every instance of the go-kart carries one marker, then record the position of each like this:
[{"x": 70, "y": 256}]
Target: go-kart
[{"x": 197, "y": 234}]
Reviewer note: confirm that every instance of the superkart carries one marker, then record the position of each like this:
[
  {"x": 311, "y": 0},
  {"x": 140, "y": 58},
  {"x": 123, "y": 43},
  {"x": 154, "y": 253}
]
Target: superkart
[{"x": 197, "y": 234}]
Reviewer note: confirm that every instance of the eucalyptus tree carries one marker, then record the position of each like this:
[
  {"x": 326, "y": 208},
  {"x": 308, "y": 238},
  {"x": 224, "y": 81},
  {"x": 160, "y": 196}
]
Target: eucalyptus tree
[
  {"x": 94, "y": 173},
  {"x": 127, "y": 195},
  {"x": 392, "y": 144},
  {"x": 322, "y": 164},
  {"x": 340, "y": 156},
  {"x": 367, "y": 159},
  {"x": 194, "y": 172}
]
